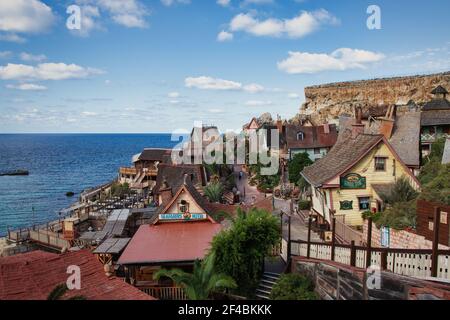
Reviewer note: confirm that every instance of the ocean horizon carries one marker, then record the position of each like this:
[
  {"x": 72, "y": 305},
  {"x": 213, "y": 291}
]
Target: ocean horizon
[{"x": 59, "y": 163}]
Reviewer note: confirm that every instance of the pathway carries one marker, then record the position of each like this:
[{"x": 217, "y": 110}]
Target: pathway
[{"x": 250, "y": 193}]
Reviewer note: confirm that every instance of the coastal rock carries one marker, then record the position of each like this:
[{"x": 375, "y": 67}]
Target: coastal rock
[{"x": 327, "y": 102}]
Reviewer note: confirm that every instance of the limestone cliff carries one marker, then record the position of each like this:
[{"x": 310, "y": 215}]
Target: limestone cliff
[{"x": 327, "y": 102}]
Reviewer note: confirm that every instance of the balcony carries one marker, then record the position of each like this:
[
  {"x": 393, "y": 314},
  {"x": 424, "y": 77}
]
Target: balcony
[
  {"x": 165, "y": 293},
  {"x": 432, "y": 137}
]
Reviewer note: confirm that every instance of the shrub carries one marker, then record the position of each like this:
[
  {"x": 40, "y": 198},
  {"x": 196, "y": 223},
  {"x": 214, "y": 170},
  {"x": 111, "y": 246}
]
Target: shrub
[
  {"x": 214, "y": 191},
  {"x": 400, "y": 216},
  {"x": 240, "y": 250},
  {"x": 402, "y": 191},
  {"x": 294, "y": 287},
  {"x": 304, "y": 204},
  {"x": 297, "y": 164}
]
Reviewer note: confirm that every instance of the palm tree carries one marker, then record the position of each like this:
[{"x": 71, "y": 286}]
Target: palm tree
[
  {"x": 202, "y": 282},
  {"x": 214, "y": 191},
  {"x": 60, "y": 291}
]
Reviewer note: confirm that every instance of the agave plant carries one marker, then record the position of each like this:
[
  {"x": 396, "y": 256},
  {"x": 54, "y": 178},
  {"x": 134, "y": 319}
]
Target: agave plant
[
  {"x": 202, "y": 282},
  {"x": 59, "y": 291}
]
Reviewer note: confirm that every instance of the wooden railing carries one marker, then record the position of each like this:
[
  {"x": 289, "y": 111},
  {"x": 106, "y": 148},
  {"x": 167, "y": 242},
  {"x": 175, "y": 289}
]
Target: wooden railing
[
  {"x": 408, "y": 262},
  {"x": 345, "y": 233},
  {"x": 50, "y": 239},
  {"x": 165, "y": 293},
  {"x": 431, "y": 137}
]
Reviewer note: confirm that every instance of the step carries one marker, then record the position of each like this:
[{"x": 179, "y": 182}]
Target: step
[
  {"x": 273, "y": 274},
  {"x": 265, "y": 286},
  {"x": 269, "y": 277},
  {"x": 270, "y": 282},
  {"x": 261, "y": 291},
  {"x": 263, "y": 297}
]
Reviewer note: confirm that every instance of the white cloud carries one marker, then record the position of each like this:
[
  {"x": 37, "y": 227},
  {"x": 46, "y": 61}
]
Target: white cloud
[
  {"x": 339, "y": 60},
  {"x": 223, "y": 3},
  {"x": 258, "y": 103},
  {"x": 169, "y": 3},
  {"x": 209, "y": 83},
  {"x": 89, "y": 114},
  {"x": 293, "y": 96},
  {"x": 30, "y": 57},
  {"x": 174, "y": 95},
  {"x": 45, "y": 71},
  {"x": 128, "y": 13},
  {"x": 27, "y": 87},
  {"x": 257, "y": 2},
  {"x": 5, "y": 54},
  {"x": 300, "y": 26},
  {"x": 12, "y": 37},
  {"x": 25, "y": 16},
  {"x": 224, "y": 36},
  {"x": 215, "y": 110}
]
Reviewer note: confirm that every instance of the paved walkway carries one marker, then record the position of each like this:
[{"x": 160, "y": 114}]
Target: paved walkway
[{"x": 251, "y": 194}]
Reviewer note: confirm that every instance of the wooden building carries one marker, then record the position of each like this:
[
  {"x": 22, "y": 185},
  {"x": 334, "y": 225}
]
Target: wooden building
[{"x": 348, "y": 181}]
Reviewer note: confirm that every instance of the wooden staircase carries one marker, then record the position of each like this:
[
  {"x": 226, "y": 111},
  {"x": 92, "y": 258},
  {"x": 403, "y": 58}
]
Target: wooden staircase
[{"x": 265, "y": 286}]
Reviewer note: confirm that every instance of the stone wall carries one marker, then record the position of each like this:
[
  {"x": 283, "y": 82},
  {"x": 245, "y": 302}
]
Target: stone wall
[
  {"x": 340, "y": 282},
  {"x": 327, "y": 102},
  {"x": 399, "y": 239}
]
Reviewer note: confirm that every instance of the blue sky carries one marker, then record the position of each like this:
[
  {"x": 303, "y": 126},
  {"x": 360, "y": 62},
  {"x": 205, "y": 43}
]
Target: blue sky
[{"x": 158, "y": 66}]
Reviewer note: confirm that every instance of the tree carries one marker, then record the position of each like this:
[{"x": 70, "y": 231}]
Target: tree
[
  {"x": 240, "y": 250},
  {"x": 401, "y": 191},
  {"x": 438, "y": 189},
  {"x": 59, "y": 291},
  {"x": 296, "y": 166},
  {"x": 214, "y": 191},
  {"x": 293, "y": 287},
  {"x": 202, "y": 282}
]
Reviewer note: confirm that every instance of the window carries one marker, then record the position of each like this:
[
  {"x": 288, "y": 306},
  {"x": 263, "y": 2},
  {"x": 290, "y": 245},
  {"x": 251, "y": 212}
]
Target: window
[
  {"x": 183, "y": 206},
  {"x": 380, "y": 164},
  {"x": 317, "y": 151},
  {"x": 300, "y": 136},
  {"x": 364, "y": 203}
]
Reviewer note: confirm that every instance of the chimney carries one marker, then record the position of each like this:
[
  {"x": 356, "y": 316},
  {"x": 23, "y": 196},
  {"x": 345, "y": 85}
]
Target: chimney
[
  {"x": 280, "y": 125},
  {"x": 326, "y": 128},
  {"x": 165, "y": 193},
  {"x": 387, "y": 123},
  {"x": 358, "y": 126}
]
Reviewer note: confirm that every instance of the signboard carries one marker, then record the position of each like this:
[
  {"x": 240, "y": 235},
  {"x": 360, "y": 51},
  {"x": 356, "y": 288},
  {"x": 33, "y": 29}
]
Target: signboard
[
  {"x": 385, "y": 237},
  {"x": 353, "y": 181},
  {"x": 346, "y": 205},
  {"x": 182, "y": 216}
]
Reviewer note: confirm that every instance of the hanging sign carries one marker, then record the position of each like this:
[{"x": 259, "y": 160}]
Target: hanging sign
[
  {"x": 385, "y": 237},
  {"x": 182, "y": 216},
  {"x": 346, "y": 205},
  {"x": 353, "y": 181}
]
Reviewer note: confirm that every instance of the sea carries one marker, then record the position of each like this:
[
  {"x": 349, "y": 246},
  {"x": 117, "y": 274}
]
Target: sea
[{"x": 61, "y": 163}]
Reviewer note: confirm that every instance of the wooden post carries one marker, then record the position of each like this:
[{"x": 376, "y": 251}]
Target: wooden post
[
  {"x": 289, "y": 240},
  {"x": 384, "y": 254},
  {"x": 333, "y": 239},
  {"x": 353, "y": 254},
  {"x": 369, "y": 244},
  {"x": 292, "y": 207},
  {"x": 435, "y": 255},
  {"x": 308, "y": 251}
]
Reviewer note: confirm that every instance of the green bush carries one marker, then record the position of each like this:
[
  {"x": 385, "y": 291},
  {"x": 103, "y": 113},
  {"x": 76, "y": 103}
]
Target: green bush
[
  {"x": 294, "y": 287},
  {"x": 400, "y": 216},
  {"x": 297, "y": 164},
  {"x": 240, "y": 250},
  {"x": 214, "y": 191},
  {"x": 438, "y": 189},
  {"x": 304, "y": 204}
]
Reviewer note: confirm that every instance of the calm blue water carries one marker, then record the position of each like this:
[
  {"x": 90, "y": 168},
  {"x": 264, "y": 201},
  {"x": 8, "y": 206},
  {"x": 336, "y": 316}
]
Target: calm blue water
[{"x": 58, "y": 164}]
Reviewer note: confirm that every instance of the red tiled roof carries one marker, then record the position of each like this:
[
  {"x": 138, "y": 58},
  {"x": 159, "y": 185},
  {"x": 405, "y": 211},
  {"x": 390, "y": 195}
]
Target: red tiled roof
[
  {"x": 33, "y": 275},
  {"x": 170, "y": 242},
  {"x": 314, "y": 137}
]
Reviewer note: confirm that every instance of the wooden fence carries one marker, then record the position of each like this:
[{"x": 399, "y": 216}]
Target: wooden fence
[
  {"x": 165, "y": 293},
  {"x": 421, "y": 263},
  {"x": 50, "y": 239},
  {"x": 345, "y": 233}
]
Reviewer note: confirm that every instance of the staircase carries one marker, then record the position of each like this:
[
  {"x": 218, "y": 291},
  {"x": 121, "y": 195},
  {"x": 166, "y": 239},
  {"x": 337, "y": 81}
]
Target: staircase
[{"x": 265, "y": 286}]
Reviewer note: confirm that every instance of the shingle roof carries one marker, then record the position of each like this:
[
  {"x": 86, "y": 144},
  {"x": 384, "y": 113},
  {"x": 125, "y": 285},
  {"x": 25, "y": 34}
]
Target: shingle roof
[
  {"x": 342, "y": 156},
  {"x": 382, "y": 188},
  {"x": 435, "y": 117},
  {"x": 314, "y": 137},
  {"x": 439, "y": 90},
  {"x": 437, "y": 104},
  {"x": 174, "y": 176},
  {"x": 161, "y": 155},
  {"x": 406, "y": 138},
  {"x": 32, "y": 276}
]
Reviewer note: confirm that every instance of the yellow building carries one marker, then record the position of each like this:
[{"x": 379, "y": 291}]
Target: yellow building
[{"x": 349, "y": 180}]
